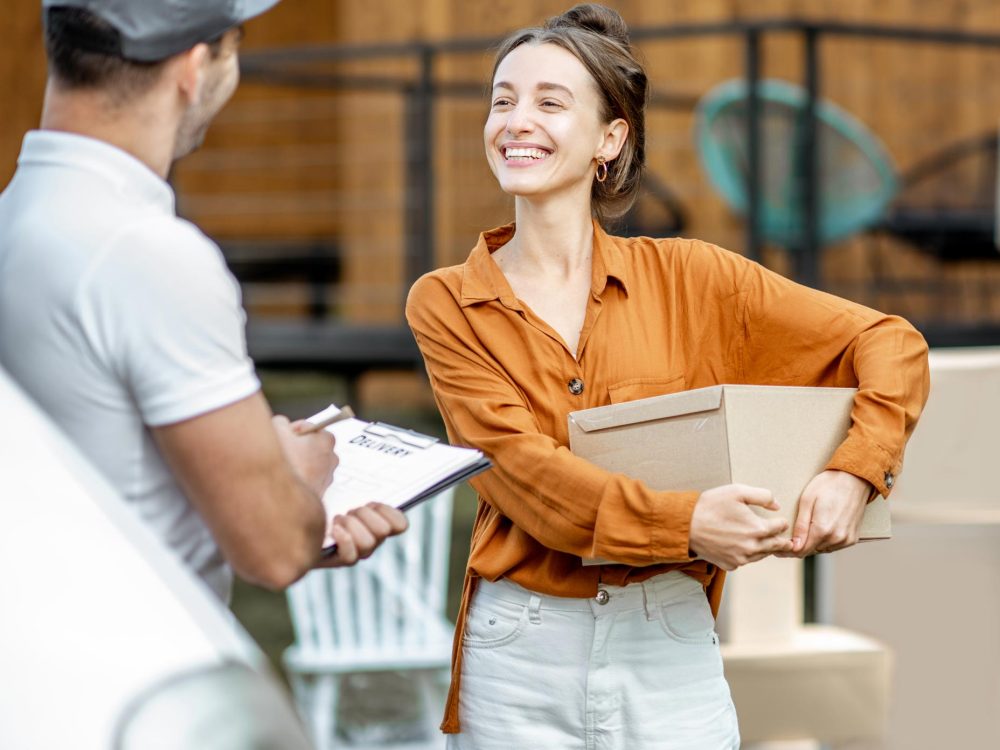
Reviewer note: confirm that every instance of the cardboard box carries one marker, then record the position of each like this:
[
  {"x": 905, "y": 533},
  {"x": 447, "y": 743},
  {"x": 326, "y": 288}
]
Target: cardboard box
[
  {"x": 824, "y": 683},
  {"x": 777, "y": 437},
  {"x": 933, "y": 597},
  {"x": 951, "y": 459}
]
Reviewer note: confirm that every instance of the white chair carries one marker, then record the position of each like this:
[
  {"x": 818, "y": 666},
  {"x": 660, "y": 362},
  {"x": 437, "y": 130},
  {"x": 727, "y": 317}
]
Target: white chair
[{"x": 385, "y": 614}]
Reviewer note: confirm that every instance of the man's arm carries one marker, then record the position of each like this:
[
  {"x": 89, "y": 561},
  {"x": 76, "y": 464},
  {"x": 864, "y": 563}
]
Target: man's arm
[
  {"x": 267, "y": 518},
  {"x": 257, "y": 483}
]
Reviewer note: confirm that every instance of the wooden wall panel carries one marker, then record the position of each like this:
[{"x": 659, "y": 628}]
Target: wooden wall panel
[
  {"x": 22, "y": 79},
  {"x": 290, "y": 162}
]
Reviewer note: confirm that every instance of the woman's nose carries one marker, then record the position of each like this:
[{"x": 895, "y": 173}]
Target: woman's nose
[{"x": 519, "y": 121}]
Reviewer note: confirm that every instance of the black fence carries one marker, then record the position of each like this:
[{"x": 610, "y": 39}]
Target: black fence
[{"x": 323, "y": 340}]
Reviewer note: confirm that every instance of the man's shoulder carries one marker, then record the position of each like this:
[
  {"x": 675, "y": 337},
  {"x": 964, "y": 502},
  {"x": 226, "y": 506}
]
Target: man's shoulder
[
  {"x": 150, "y": 267},
  {"x": 165, "y": 237},
  {"x": 82, "y": 199},
  {"x": 158, "y": 245}
]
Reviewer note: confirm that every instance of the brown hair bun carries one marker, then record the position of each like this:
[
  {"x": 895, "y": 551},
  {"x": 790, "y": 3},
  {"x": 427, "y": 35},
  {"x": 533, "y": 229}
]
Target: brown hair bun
[{"x": 595, "y": 18}]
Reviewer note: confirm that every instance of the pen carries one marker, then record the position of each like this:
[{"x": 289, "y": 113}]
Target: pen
[{"x": 345, "y": 413}]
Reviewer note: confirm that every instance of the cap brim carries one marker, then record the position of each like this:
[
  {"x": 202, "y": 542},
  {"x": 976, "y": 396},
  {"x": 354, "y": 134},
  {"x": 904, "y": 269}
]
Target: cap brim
[{"x": 252, "y": 8}]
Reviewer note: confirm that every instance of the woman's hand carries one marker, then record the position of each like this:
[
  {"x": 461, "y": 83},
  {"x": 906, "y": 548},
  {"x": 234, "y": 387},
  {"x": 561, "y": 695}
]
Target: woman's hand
[
  {"x": 830, "y": 512},
  {"x": 727, "y": 533}
]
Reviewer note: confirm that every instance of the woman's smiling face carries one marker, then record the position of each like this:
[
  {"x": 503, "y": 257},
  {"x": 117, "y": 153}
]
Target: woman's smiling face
[{"x": 544, "y": 128}]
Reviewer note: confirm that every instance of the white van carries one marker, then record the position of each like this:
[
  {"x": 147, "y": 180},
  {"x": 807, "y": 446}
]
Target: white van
[{"x": 106, "y": 640}]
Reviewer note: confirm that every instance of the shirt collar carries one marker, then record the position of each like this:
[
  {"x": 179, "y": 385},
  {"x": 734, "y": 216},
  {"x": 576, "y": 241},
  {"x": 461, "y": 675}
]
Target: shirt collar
[
  {"x": 483, "y": 280},
  {"x": 609, "y": 260},
  {"x": 136, "y": 182}
]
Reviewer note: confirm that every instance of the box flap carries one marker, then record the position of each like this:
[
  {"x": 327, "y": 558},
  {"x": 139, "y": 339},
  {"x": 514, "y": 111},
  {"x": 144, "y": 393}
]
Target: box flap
[{"x": 647, "y": 409}]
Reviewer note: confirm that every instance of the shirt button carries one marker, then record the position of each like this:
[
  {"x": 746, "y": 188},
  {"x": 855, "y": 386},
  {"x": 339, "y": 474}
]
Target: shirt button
[
  {"x": 889, "y": 480},
  {"x": 602, "y": 596},
  {"x": 575, "y": 386}
]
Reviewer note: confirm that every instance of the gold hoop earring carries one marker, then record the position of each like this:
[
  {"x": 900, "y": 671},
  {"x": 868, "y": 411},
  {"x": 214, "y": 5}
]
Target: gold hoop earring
[{"x": 602, "y": 169}]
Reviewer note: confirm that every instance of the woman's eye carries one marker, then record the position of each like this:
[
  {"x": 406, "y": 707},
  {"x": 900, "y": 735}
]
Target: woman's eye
[
  {"x": 550, "y": 104},
  {"x": 501, "y": 103}
]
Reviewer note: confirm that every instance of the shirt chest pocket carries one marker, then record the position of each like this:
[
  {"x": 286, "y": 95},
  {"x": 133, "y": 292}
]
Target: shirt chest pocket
[{"x": 636, "y": 388}]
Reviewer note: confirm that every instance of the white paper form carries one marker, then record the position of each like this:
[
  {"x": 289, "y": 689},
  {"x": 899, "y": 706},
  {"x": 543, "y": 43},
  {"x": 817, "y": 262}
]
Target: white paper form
[{"x": 392, "y": 465}]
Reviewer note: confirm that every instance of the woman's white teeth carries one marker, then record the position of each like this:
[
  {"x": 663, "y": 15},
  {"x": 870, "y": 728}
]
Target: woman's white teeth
[{"x": 525, "y": 153}]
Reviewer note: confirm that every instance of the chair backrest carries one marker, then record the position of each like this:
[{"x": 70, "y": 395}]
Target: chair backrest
[
  {"x": 391, "y": 604},
  {"x": 857, "y": 178},
  {"x": 949, "y": 204}
]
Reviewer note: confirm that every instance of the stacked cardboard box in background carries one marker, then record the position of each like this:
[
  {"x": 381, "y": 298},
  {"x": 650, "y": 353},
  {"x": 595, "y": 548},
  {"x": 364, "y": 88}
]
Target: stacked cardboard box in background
[{"x": 933, "y": 594}]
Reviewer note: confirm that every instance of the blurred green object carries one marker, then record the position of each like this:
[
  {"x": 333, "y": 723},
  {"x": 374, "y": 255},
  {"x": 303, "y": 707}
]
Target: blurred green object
[{"x": 857, "y": 179}]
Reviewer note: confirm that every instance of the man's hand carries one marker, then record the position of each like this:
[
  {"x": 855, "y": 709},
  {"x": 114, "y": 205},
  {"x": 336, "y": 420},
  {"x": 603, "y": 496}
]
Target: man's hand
[
  {"x": 311, "y": 455},
  {"x": 727, "y": 533},
  {"x": 360, "y": 531},
  {"x": 830, "y": 512}
]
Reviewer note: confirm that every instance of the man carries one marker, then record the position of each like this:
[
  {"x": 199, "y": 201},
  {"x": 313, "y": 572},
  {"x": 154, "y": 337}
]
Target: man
[{"x": 122, "y": 321}]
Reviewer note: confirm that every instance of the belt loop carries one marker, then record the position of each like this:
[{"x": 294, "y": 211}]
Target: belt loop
[
  {"x": 535, "y": 609},
  {"x": 648, "y": 603}
]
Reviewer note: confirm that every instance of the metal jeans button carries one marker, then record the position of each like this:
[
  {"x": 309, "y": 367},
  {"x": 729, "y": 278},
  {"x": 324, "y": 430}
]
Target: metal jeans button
[{"x": 602, "y": 596}]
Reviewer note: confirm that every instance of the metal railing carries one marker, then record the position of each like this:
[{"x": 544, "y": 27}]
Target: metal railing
[{"x": 421, "y": 90}]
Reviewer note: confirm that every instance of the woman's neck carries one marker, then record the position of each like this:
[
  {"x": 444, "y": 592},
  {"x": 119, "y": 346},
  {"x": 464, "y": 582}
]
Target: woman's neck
[{"x": 553, "y": 239}]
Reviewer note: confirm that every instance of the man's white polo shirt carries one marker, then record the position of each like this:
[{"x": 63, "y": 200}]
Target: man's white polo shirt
[{"x": 115, "y": 315}]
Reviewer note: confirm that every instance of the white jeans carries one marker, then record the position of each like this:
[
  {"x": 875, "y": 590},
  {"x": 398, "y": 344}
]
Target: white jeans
[{"x": 641, "y": 670}]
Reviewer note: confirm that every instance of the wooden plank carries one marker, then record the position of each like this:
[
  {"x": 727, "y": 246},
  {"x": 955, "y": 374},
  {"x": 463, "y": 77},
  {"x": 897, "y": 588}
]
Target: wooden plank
[{"x": 285, "y": 161}]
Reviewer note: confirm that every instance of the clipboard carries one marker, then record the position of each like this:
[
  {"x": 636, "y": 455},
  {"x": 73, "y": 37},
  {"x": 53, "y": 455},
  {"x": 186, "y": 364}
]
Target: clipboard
[
  {"x": 433, "y": 491},
  {"x": 390, "y": 464}
]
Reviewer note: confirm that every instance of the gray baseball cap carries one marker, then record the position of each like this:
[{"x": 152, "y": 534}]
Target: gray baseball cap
[{"x": 152, "y": 30}]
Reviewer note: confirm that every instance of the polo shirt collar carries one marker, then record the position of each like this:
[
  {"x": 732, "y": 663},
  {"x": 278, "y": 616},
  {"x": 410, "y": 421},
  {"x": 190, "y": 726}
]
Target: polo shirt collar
[
  {"x": 483, "y": 280},
  {"x": 136, "y": 182}
]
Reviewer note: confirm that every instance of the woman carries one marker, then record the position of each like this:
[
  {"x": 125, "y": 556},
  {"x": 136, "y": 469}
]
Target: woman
[{"x": 550, "y": 315}]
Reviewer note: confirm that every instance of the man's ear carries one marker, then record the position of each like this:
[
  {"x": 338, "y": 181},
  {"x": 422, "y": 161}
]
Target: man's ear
[{"x": 190, "y": 72}]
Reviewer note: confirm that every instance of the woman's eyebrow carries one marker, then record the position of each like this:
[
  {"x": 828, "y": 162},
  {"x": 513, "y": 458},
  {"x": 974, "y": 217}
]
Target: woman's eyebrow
[{"x": 542, "y": 86}]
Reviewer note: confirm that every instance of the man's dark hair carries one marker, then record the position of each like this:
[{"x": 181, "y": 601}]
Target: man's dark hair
[{"x": 84, "y": 52}]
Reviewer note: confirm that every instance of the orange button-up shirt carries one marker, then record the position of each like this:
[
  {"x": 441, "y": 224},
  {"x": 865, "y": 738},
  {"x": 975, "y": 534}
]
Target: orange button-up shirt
[{"x": 663, "y": 316}]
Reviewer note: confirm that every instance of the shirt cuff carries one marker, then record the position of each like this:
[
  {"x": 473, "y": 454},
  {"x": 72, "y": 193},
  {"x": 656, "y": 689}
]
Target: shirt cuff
[
  {"x": 869, "y": 461},
  {"x": 661, "y": 534}
]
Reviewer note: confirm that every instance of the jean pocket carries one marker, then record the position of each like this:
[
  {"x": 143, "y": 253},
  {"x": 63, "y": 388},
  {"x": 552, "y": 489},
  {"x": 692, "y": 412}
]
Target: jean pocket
[
  {"x": 493, "y": 623},
  {"x": 689, "y": 620}
]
